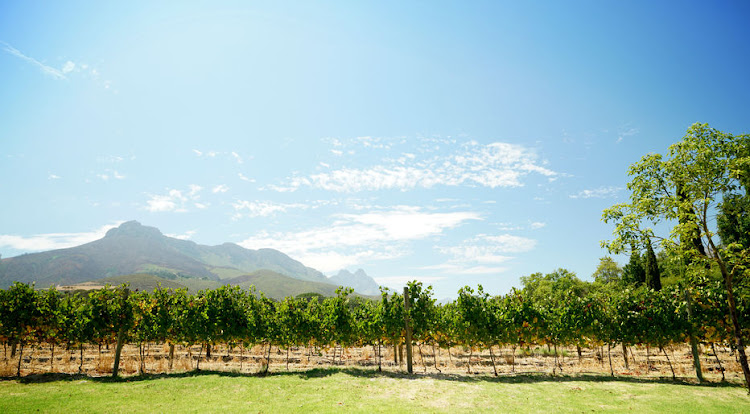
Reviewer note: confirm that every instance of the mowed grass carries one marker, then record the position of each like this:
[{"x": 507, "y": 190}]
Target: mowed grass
[{"x": 356, "y": 390}]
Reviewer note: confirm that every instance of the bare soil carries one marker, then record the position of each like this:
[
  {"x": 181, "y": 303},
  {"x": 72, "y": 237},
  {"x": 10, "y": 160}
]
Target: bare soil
[{"x": 154, "y": 359}]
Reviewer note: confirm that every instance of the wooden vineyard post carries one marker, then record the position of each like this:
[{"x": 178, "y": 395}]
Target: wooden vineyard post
[
  {"x": 120, "y": 338},
  {"x": 407, "y": 320}
]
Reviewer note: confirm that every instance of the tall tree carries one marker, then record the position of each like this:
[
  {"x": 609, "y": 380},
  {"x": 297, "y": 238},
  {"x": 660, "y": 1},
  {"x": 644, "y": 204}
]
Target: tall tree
[
  {"x": 634, "y": 273},
  {"x": 686, "y": 187},
  {"x": 653, "y": 276}
]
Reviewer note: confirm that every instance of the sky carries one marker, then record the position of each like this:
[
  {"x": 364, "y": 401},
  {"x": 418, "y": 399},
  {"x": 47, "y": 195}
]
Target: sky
[{"x": 452, "y": 142}]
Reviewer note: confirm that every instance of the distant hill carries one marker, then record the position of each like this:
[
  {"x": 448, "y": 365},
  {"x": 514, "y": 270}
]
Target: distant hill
[
  {"x": 359, "y": 281},
  {"x": 139, "y": 281},
  {"x": 133, "y": 249},
  {"x": 278, "y": 286}
]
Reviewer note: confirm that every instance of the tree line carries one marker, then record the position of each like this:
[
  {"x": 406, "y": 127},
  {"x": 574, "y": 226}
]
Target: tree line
[{"x": 592, "y": 317}]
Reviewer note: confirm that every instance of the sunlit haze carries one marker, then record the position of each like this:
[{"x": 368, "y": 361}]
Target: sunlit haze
[{"x": 456, "y": 143}]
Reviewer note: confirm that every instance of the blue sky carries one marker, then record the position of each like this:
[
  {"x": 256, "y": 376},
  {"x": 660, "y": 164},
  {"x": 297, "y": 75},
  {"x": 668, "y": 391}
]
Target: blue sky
[{"x": 451, "y": 142}]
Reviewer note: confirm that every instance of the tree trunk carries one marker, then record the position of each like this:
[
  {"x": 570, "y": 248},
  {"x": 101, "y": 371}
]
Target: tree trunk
[
  {"x": 609, "y": 356},
  {"x": 20, "y": 358},
  {"x": 400, "y": 354},
  {"x": 492, "y": 357},
  {"x": 736, "y": 328},
  {"x": 208, "y": 352},
  {"x": 434, "y": 358},
  {"x": 421, "y": 357},
  {"x": 468, "y": 365},
  {"x": 669, "y": 362},
  {"x": 578, "y": 350},
  {"x": 693, "y": 341},
  {"x": 721, "y": 368},
  {"x": 80, "y": 367},
  {"x": 171, "y": 356},
  {"x": 380, "y": 367},
  {"x": 52, "y": 359},
  {"x": 198, "y": 362},
  {"x": 625, "y": 356},
  {"x": 268, "y": 359}
]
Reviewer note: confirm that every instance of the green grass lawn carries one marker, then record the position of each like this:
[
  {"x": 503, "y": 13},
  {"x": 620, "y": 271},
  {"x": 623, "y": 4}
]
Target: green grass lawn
[{"x": 355, "y": 390}]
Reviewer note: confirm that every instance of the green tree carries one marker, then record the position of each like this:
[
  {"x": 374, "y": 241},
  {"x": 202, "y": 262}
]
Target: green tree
[
  {"x": 608, "y": 271},
  {"x": 653, "y": 276},
  {"x": 634, "y": 273},
  {"x": 685, "y": 188}
]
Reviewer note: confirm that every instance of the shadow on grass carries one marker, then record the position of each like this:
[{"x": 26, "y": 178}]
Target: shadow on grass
[{"x": 520, "y": 378}]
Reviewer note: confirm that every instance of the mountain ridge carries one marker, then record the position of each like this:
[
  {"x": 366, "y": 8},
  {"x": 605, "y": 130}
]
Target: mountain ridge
[{"x": 133, "y": 248}]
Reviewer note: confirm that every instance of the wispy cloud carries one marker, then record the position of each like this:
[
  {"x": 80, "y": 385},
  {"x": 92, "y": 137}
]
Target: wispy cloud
[
  {"x": 221, "y": 188},
  {"x": 106, "y": 175},
  {"x": 245, "y": 208},
  {"x": 243, "y": 177},
  {"x": 494, "y": 165},
  {"x": 51, "y": 241},
  {"x": 233, "y": 155},
  {"x": 68, "y": 68},
  {"x": 53, "y": 177},
  {"x": 354, "y": 238},
  {"x": 46, "y": 69},
  {"x": 185, "y": 236},
  {"x": 482, "y": 254},
  {"x": 175, "y": 200},
  {"x": 625, "y": 132},
  {"x": 601, "y": 192},
  {"x": 537, "y": 225}
]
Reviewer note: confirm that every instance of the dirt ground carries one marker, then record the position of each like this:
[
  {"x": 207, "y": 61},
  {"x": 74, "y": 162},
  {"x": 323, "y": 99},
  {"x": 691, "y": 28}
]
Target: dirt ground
[{"x": 154, "y": 359}]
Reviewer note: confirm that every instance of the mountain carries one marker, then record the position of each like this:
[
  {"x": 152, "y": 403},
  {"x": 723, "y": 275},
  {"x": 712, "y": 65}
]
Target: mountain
[
  {"x": 359, "y": 281},
  {"x": 133, "y": 248},
  {"x": 278, "y": 286}
]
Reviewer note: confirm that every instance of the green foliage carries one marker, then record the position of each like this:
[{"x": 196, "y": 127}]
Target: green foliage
[
  {"x": 554, "y": 309},
  {"x": 634, "y": 273},
  {"x": 608, "y": 271}
]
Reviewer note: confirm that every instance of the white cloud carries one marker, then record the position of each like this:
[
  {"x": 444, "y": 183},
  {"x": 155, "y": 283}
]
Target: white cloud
[
  {"x": 337, "y": 152},
  {"x": 175, "y": 200},
  {"x": 355, "y": 238},
  {"x": 221, "y": 188},
  {"x": 68, "y": 67},
  {"x": 198, "y": 153},
  {"x": 601, "y": 192},
  {"x": 185, "y": 236},
  {"x": 53, "y": 177},
  {"x": 481, "y": 254},
  {"x": 624, "y": 133},
  {"x": 537, "y": 225},
  {"x": 51, "y": 241},
  {"x": 236, "y": 157},
  {"x": 244, "y": 208},
  {"x": 110, "y": 159},
  {"x": 494, "y": 165},
  {"x": 464, "y": 269},
  {"x": 245, "y": 178},
  {"x": 48, "y": 70}
]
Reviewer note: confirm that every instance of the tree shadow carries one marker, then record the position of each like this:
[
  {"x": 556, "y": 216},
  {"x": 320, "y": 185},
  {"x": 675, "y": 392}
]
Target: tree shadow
[{"x": 519, "y": 378}]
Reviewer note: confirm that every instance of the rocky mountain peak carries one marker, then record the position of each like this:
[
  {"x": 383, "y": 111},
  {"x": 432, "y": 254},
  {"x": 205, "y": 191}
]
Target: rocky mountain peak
[{"x": 134, "y": 229}]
